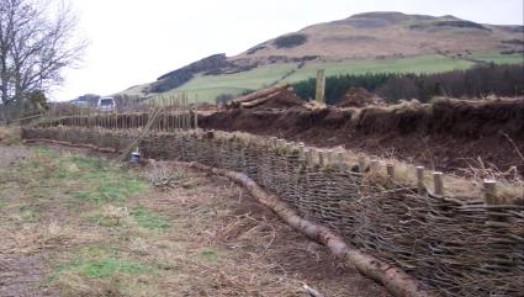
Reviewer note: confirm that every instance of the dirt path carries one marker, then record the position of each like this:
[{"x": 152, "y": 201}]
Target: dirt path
[{"x": 74, "y": 226}]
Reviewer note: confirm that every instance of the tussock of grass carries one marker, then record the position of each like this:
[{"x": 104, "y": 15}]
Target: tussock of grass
[
  {"x": 97, "y": 262},
  {"x": 111, "y": 216},
  {"x": 98, "y": 271}
]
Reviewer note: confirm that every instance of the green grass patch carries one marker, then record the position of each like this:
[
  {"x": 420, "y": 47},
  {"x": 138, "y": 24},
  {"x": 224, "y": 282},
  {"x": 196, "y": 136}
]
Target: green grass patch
[
  {"x": 84, "y": 178},
  {"x": 107, "y": 267},
  {"x": 100, "y": 271},
  {"x": 209, "y": 255},
  {"x": 145, "y": 218},
  {"x": 98, "y": 262},
  {"x": 109, "y": 187}
]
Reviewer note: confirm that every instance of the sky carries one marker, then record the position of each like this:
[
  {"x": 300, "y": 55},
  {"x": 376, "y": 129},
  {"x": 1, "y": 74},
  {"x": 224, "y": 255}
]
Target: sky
[{"x": 133, "y": 42}]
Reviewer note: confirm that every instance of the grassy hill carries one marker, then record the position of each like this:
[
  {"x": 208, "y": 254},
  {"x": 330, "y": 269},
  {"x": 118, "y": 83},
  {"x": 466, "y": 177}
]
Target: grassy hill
[{"x": 365, "y": 43}]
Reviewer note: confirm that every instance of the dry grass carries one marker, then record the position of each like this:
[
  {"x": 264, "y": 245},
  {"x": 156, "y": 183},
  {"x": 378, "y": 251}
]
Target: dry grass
[
  {"x": 206, "y": 239},
  {"x": 10, "y": 135}
]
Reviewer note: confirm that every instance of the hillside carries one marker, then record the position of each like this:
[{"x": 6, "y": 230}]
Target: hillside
[
  {"x": 389, "y": 34},
  {"x": 369, "y": 42}
]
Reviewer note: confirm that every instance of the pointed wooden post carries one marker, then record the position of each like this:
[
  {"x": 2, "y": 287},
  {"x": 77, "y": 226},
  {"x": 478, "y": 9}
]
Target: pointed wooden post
[
  {"x": 301, "y": 151},
  {"x": 309, "y": 157},
  {"x": 374, "y": 166},
  {"x": 341, "y": 162},
  {"x": 329, "y": 155},
  {"x": 321, "y": 158},
  {"x": 420, "y": 180},
  {"x": 196, "y": 119},
  {"x": 390, "y": 171},
  {"x": 438, "y": 183},
  {"x": 490, "y": 191}
]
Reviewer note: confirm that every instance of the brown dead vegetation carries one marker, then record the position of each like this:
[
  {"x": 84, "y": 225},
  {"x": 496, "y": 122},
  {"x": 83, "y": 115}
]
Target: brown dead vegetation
[{"x": 360, "y": 97}]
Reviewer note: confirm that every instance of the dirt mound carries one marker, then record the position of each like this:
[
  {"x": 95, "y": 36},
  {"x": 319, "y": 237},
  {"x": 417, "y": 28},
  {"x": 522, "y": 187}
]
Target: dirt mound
[{"x": 360, "y": 97}]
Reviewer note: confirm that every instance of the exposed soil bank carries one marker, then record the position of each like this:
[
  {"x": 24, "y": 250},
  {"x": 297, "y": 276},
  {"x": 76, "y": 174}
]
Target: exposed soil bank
[{"x": 448, "y": 135}]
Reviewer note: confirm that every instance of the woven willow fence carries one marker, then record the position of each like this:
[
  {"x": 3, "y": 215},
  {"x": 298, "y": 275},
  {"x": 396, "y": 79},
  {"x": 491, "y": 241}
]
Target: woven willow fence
[
  {"x": 472, "y": 247},
  {"x": 169, "y": 119}
]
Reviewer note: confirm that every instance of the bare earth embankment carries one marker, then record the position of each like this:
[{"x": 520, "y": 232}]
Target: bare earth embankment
[{"x": 449, "y": 135}]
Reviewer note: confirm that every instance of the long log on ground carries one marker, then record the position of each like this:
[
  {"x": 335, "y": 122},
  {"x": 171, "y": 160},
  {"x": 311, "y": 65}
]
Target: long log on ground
[
  {"x": 256, "y": 95},
  {"x": 397, "y": 282},
  {"x": 259, "y": 101}
]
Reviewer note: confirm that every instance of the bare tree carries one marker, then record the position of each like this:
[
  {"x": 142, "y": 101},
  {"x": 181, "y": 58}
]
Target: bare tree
[{"x": 37, "y": 41}]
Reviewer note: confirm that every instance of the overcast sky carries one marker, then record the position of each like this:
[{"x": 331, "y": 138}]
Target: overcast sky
[{"x": 135, "y": 41}]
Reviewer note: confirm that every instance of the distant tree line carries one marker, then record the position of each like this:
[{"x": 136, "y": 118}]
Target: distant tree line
[{"x": 479, "y": 81}]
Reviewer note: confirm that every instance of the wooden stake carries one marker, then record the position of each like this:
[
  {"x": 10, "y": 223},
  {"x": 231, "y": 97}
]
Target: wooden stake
[
  {"x": 420, "y": 179},
  {"x": 438, "y": 183},
  {"x": 361, "y": 163},
  {"x": 490, "y": 192},
  {"x": 196, "y": 119},
  {"x": 301, "y": 154},
  {"x": 272, "y": 142},
  {"x": 374, "y": 166},
  {"x": 390, "y": 168},
  {"x": 309, "y": 157},
  {"x": 329, "y": 155},
  {"x": 341, "y": 162},
  {"x": 321, "y": 158},
  {"x": 490, "y": 197}
]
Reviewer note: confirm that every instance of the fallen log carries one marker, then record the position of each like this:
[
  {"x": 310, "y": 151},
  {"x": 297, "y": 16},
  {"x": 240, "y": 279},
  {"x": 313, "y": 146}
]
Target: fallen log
[
  {"x": 258, "y": 101},
  {"x": 256, "y": 95},
  {"x": 397, "y": 282}
]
